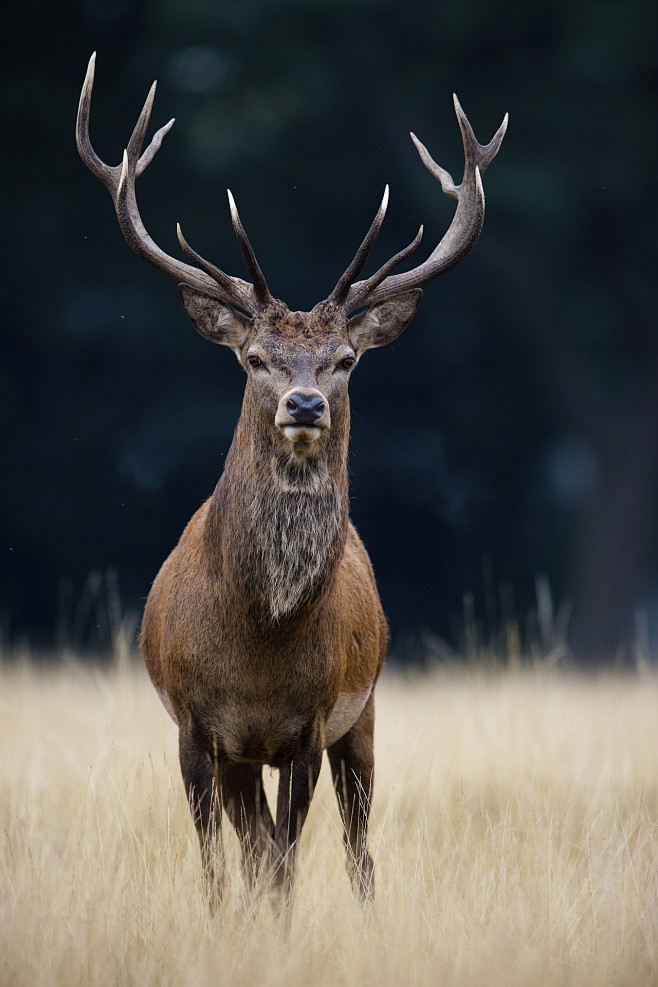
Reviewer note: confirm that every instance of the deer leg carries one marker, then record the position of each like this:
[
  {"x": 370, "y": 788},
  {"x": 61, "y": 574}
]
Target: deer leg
[
  {"x": 246, "y": 805},
  {"x": 200, "y": 780},
  {"x": 352, "y": 768},
  {"x": 297, "y": 780}
]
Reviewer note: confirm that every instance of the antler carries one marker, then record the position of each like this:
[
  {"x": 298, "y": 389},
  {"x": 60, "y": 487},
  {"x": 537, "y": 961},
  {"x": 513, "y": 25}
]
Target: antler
[
  {"x": 120, "y": 183},
  {"x": 458, "y": 241}
]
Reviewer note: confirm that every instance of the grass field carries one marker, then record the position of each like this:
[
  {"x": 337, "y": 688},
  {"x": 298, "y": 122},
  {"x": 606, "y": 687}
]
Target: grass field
[{"x": 515, "y": 836}]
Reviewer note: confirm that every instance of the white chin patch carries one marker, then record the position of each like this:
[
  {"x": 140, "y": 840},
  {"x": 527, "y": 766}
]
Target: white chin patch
[{"x": 301, "y": 433}]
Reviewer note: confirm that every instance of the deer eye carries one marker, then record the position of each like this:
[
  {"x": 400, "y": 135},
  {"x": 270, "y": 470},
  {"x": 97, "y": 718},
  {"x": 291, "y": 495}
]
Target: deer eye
[
  {"x": 254, "y": 361},
  {"x": 347, "y": 363}
]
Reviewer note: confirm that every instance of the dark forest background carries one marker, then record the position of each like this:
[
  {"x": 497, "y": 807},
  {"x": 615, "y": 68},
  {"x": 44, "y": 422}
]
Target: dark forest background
[{"x": 508, "y": 439}]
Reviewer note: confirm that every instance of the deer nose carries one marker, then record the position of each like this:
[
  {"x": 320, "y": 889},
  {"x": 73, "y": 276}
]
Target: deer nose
[{"x": 305, "y": 409}]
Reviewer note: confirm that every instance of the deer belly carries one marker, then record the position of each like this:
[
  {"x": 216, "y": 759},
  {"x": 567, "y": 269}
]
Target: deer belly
[
  {"x": 345, "y": 713},
  {"x": 264, "y": 737},
  {"x": 253, "y": 733}
]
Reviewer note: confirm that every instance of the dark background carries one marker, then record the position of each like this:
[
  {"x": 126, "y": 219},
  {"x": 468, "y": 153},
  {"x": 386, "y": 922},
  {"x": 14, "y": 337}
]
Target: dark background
[{"x": 507, "y": 440}]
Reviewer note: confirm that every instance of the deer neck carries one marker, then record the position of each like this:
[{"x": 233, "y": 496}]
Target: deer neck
[{"x": 279, "y": 521}]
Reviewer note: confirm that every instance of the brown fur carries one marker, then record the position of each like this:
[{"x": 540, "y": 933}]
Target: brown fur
[{"x": 265, "y": 619}]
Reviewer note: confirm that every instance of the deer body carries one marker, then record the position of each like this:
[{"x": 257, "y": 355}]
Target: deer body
[
  {"x": 218, "y": 642},
  {"x": 252, "y": 687},
  {"x": 263, "y": 632}
]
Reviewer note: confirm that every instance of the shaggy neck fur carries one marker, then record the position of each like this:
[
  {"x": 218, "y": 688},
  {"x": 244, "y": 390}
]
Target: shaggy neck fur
[{"x": 281, "y": 518}]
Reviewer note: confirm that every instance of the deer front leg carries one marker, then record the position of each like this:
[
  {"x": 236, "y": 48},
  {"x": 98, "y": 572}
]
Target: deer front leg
[
  {"x": 200, "y": 777},
  {"x": 352, "y": 768},
  {"x": 246, "y": 805},
  {"x": 297, "y": 780}
]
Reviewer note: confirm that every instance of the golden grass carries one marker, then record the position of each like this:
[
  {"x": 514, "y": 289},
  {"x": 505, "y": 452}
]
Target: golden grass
[{"x": 514, "y": 834}]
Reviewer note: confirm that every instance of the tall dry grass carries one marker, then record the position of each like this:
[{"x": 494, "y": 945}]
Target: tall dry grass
[{"x": 515, "y": 834}]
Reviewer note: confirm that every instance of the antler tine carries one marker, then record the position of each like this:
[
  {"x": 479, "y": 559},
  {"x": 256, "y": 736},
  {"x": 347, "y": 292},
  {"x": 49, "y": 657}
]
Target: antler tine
[
  {"x": 261, "y": 290},
  {"x": 137, "y": 138},
  {"x": 475, "y": 154},
  {"x": 225, "y": 281},
  {"x": 376, "y": 279},
  {"x": 464, "y": 230},
  {"x": 120, "y": 182},
  {"x": 444, "y": 177},
  {"x": 340, "y": 292},
  {"x": 479, "y": 154},
  {"x": 134, "y": 146},
  {"x": 108, "y": 175},
  {"x": 153, "y": 148}
]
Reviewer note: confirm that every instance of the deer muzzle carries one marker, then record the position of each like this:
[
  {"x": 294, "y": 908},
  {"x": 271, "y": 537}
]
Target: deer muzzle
[{"x": 303, "y": 415}]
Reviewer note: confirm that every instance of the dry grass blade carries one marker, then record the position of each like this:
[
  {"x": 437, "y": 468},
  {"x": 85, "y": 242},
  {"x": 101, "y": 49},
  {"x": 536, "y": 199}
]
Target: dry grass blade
[{"x": 515, "y": 834}]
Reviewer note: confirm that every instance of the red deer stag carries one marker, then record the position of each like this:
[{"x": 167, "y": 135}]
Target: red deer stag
[{"x": 263, "y": 633}]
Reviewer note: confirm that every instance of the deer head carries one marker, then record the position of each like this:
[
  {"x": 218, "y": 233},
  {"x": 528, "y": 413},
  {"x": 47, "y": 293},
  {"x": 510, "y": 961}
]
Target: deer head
[{"x": 298, "y": 363}]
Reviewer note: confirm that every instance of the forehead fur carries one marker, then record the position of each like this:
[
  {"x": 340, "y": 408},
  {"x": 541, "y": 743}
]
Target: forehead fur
[{"x": 326, "y": 321}]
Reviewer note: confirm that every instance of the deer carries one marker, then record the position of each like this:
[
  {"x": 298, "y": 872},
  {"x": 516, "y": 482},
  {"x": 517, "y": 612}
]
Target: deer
[{"x": 263, "y": 632}]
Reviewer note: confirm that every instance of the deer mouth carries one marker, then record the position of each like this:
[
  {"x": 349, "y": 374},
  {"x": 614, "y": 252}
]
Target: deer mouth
[{"x": 302, "y": 433}]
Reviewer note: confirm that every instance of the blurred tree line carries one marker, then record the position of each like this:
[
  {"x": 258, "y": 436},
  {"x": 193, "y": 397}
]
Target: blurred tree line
[{"x": 511, "y": 431}]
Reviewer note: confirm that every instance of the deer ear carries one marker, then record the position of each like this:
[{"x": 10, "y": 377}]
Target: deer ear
[
  {"x": 383, "y": 323},
  {"x": 215, "y": 321}
]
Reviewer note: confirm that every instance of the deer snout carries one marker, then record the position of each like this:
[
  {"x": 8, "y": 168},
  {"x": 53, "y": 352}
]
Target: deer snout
[
  {"x": 303, "y": 414},
  {"x": 305, "y": 408}
]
